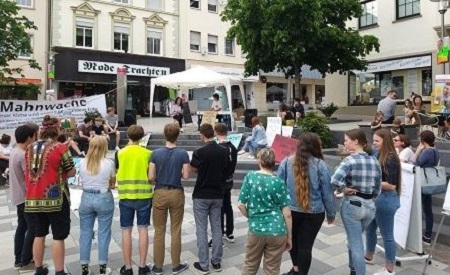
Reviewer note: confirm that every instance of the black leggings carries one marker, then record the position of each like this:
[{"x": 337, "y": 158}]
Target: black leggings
[
  {"x": 305, "y": 227},
  {"x": 179, "y": 118},
  {"x": 3, "y": 165}
]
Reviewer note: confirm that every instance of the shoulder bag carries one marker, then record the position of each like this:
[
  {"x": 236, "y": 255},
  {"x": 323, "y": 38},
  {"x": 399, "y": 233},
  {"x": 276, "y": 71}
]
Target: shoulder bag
[{"x": 434, "y": 179}]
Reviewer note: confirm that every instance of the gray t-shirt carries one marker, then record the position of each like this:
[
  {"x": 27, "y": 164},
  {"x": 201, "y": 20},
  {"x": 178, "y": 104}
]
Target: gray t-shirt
[
  {"x": 111, "y": 119},
  {"x": 387, "y": 106},
  {"x": 168, "y": 165},
  {"x": 17, "y": 166}
]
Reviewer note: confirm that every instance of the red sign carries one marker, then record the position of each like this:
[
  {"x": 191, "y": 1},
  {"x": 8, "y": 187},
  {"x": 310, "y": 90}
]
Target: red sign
[
  {"x": 121, "y": 71},
  {"x": 283, "y": 147}
]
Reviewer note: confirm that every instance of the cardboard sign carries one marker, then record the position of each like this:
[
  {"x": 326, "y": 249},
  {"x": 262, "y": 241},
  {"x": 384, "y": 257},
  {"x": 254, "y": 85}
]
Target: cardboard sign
[
  {"x": 68, "y": 126},
  {"x": 286, "y": 131},
  {"x": 209, "y": 117},
  {"x": 144, "y": 140},
  {"x": 283, "y": 147},
  {"x": 273, "y": 128},
  {"x": 235, "y": 139}
]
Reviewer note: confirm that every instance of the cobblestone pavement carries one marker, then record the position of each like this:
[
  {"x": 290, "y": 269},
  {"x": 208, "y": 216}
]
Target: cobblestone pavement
[{"x": 329, "y": 253}]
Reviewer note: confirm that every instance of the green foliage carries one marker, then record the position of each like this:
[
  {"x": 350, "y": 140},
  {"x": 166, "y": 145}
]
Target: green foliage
[
  {"x": 329, "y": 109},
  {"x": 286, "y": 34},
  {"x": 14, "y": 38},
  {"x": 313, "y": 122},
  {"x": 92, "y": 114}
]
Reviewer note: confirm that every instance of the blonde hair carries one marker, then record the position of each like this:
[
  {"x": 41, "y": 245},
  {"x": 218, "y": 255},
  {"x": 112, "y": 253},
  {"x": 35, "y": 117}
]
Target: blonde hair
[{"x": 98, "y": 147}]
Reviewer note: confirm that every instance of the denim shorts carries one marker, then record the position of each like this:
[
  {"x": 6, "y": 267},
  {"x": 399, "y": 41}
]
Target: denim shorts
[{"x": 142, "y": 208}]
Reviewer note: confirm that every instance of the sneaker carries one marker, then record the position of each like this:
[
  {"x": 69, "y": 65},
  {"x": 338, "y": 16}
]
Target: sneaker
[
  {"x": 352, "y": 272},
  {"x": 124, "y": 271},
  {"x": 145, "y": 270},
  {"x": 216, "y": 267},
  {"x": 17, "y": 265},
  {"x": 117, "y": 148},
  {"x": 290, "y": 272},
  {"x": 229, "y": 238},
  {"x": 180, "y": 268},
  {"x": 198, "y": 268},
  {"x": 27, "y": 267},
  {"x": 107, "y": 271},
  {"x": 371, "y": 262},
  {"x": 43, "y": 272},
  {"x": 181, "y": 130},
  {"x": 426, "y": 240},
  {"x": 85, "y": 269},
  {"x": 384, "y": 271},
  {"x": 155, "y": 270},
  {"x": 251, "y": 157},
  {"x": 241, "y": 152}
]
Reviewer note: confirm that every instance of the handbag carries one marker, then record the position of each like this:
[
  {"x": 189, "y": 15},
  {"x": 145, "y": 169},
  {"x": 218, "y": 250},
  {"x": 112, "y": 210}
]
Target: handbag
[{"x": 434, "y": 180}]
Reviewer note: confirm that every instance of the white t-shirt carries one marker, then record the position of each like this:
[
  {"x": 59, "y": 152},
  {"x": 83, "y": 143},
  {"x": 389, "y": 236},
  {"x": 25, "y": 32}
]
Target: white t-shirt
[
  {"x": 101, "y": 180},
  {"x": 407, "y": 155},
  {"x": 216, "y": 105},
  {"x": 6, "y": 150}
]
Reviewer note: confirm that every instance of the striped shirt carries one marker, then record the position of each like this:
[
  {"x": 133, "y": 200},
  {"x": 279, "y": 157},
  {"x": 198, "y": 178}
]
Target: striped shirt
[{"x": 358, "y": 171}]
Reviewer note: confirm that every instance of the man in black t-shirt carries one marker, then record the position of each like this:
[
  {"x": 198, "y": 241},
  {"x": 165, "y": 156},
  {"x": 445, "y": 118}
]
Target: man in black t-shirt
[
  {"x": 211, "y": 164},
  {"x": 298, "y": 109}
]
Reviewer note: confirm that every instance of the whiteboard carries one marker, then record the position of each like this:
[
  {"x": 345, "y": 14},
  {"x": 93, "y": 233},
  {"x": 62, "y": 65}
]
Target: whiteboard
[{"x": 446, "y": 206}]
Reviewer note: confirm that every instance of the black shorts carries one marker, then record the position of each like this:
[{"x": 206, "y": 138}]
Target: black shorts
[{"x": 59, "y": 222}]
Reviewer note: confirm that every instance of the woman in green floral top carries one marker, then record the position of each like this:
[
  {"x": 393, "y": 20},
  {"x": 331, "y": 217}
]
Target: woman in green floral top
[{"x": 265, "y": 201}]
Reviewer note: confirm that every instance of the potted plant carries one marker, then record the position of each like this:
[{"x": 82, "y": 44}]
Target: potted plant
[{"x": 329, "y": 109}]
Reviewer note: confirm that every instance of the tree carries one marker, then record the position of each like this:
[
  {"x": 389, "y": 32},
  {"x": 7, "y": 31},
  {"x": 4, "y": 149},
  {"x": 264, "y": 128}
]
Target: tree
[
  {"x": 13, "y": 39},
  {"x": 287, "y": 34}
]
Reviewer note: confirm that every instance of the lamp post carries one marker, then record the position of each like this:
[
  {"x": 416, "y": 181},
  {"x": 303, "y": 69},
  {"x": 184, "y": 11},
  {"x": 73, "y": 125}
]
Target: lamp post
[{"x": 443, "y": 6}]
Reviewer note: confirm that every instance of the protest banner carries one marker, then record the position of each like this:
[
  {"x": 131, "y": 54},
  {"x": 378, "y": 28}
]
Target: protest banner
[
  {"x": 14, "y": 113},
  {"x": 283, "y": 147}
]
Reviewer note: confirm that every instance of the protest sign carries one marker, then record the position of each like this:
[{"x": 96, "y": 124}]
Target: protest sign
[
  {"x": 235, "y": 139},
  {"x": 68, "y": 126},
  {"x": 286, "y": 131},
  {"x": 283, "y": 147},
  {"x": 209, "y": 117},
  {"x": 14, "y": 113},
  {"x": 273, "y": 128},
  {"x": 145, "y": 139}
]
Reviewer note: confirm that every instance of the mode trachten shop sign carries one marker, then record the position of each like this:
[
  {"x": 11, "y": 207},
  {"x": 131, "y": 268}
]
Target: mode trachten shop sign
[{"x": 98, "y": 67}]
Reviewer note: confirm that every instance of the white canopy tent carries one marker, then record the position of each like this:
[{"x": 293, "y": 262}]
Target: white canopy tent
[{"x": 198, "y": 77}]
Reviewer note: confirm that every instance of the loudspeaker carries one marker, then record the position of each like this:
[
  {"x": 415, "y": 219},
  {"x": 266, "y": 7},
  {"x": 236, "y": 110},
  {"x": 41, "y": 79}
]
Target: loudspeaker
[
  {"x": 248, "y": 115},
  {"x": 130, "y": 117}
]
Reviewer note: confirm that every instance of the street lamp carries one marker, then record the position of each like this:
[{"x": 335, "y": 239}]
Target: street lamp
[{"x": 443, "y": 6}]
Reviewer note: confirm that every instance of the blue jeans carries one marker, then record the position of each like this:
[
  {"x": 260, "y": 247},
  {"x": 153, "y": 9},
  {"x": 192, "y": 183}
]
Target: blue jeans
[
  {"x": 355, "y": 219},
  {"x": 204, "y": 208},
  {"x": 387, "y": 204},
  {"x": 102, "y": 207},
  {"x": 142, "y": 208},
  {"x": 428, "y": 212}
]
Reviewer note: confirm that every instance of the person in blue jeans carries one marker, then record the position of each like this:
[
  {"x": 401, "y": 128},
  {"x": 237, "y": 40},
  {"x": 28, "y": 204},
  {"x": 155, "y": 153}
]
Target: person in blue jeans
[
  {"x": 387, "y": 202},
  {"x": 210, "y": 162},
  {"x": 358, "y": 176},
  {"x": 98, "y": 177},
  {"x": 258, "y": 139},
  {"x": 427, "y": 156}
]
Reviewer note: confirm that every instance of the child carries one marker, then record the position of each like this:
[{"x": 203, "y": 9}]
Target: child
[
  {"x": 397, "y": 128},
  {"x": 377, "y": 120}
]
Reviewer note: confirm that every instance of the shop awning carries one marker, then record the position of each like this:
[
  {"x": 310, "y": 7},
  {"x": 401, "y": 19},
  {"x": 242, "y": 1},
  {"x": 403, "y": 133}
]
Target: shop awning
[
  {"x": 307, "y": 72},
  {"x": 23, "y": 81}
]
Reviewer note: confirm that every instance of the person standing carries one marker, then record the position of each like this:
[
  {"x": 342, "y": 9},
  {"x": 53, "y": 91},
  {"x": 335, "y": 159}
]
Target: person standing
[
  {"x": 167, "y": 167},
  {"x": 221, "y": 131},
  {"x": 387, "y": 106},
  {"x": 49, "y": 164},
  {"x": 211, "y": 164},
  {"x": 98, "y": 177},
  {"x": 403, "y": 147},
  {"x": 135, "y": 194},
  {"x": 358, "y": 176},
  {"x": 308, "y": 180},
  {"x": 112, "y": 122},
  {"x": 264, "y": 200},
  {"x": 177, "y": 112},
  {"x": 386, "y": 203},
  {"x": 25, "y": 231}
]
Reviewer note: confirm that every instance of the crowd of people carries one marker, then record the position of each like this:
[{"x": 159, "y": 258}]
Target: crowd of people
[{"x": 285, "y": 208}]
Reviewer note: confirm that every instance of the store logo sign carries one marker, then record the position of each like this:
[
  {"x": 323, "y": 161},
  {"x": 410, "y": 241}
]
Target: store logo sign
[
  {"x": 400, "y": 64},
  {"x": 97, "y": 67}
]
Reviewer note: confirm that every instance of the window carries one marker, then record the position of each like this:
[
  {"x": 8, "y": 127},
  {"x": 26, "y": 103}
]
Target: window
[
  {"x": 154, "y": 41},
  {"x": 121, "y": 37},
  {"x": 24, "y": 3},
  {"x": 212, "y": 5},
  {"x": 154, "y": 4},
  {"x": 195, "y": 41},
  {"x": 22, "y": 54},
  {"x": 84, "y": 32},
  {"x": 122, "y": 1},
  {"x": 370, "y": 15},
  {"x": 195, "y": 4},
  {"x": 406, "y": 8},
  {"x": 229, "y": 46},
  {"x": 212, "y": 44}
]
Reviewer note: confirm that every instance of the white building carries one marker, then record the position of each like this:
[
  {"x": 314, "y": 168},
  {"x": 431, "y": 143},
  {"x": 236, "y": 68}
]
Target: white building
[
  {"x": 408, "y": 32},
  {"x": 34, "y": 81}
]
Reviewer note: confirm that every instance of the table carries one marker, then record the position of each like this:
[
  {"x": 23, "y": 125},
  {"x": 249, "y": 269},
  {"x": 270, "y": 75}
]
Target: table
[{"x": 222, "y": 117}]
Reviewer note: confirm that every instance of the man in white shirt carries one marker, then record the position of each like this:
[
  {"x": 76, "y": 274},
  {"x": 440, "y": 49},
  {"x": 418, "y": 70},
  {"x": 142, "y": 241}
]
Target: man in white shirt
[
  {"x": 387, "y": 106},
  {"x": 216, "y": 105}
]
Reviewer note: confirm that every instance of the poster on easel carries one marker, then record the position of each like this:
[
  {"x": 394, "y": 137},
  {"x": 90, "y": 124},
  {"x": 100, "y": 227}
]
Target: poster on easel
[
  {"x": 209, "y": 117},
  {"x": 440, "y": 97}
]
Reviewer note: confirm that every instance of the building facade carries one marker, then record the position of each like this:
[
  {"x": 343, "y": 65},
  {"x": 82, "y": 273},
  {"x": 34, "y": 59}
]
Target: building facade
[
  {"x": 408, "y": 32},
  {"x": 34, "y": 83}
]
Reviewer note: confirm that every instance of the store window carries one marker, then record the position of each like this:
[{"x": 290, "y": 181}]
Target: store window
[
  {"x": 229, "y": 46},
  {"x": 407, "y": 8},
  {"x": 370, "y": 14},
  {"x": 212, "y": 43},
  {"x": 212, "y": 5},
  {"x": 26, "y": 55},
  {"x": 276, "y": 93},
  {"x": 24, "y": 3},
  {"x": 154, "y": 41},
  {"x": 154, "y": 4},
  {"x": 122, "y": 1},
  {"x": 84, "y": 32},
  {"x": 194, "y": 43},
  {"x": 121, "y": 37},
  {"x": 195, "y": 4}
]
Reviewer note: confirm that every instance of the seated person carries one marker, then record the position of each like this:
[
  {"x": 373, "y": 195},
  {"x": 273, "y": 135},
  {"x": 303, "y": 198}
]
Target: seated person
[
  {"x": 287, "y": 116},
  {"x": 377, "y": 120},
  {"x": 98, "y": 128},
  {"x": 112, "y": 121},
  {"x": 216, "y": 105},
  {"x": 298, "y": 110},
  {"x": 5, "y": 151},
  {"x": 397, "y": 128},
  {"x": 83, "y": 134},
  {"x": 71, "y": 144}
]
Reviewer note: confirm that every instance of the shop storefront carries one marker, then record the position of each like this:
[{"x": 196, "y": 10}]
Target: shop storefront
[
  {"x": 406, "y": 75},
  {"x": 80, "y": 72}
]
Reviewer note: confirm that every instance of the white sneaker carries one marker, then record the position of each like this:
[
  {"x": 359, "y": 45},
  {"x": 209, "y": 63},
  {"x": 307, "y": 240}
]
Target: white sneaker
[
  {"x": 251, "y": 157},
  {"x": 117, "y": 148},
  {"x": 339, "y": 195},
  {"x": 384, "y": 271},
  {"x": 241, "y": 152},
  {"x": 181, "y": 130}
]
